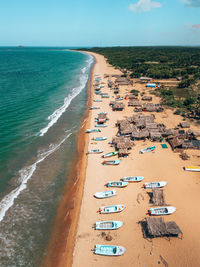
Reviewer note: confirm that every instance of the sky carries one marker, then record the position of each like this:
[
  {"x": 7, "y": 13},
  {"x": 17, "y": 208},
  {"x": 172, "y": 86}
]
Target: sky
[{"x": 99, "y": 22}]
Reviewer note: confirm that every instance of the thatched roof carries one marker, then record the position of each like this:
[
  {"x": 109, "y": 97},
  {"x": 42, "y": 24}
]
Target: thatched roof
[
  {"x": 184, "y": 124},
  {"x": 123, "y": 152},
  {"x": 135, "y": 103},
  {"x": 123, "y": 81},
  {"x": 145, "y": 79},
  {"x": 158, "y": 197},
  {"x": 175, "y": 142},
  {"x": 118, "y": 106},
  {"x": 156, "y": 227},
  {"x": 144, "y": 133},
  {"x": 147, "y": 98}
]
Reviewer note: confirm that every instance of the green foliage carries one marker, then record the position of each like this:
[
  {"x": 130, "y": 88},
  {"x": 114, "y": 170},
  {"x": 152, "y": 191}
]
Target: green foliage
[
  {"x": 134, "y": 92},
  {"x": 189, "y": 101}
]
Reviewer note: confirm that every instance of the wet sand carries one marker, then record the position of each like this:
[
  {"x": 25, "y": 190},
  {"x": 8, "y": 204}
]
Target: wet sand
[{"x": 182, "y": 192}]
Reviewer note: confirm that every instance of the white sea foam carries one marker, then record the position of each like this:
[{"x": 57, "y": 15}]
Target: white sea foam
[
  {"x": 25, "y": 175},
  {"x": 53, "y": 118}
]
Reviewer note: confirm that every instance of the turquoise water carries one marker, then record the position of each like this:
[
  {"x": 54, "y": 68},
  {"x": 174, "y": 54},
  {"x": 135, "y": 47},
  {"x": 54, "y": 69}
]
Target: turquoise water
[{"x": 42, "y": 101}]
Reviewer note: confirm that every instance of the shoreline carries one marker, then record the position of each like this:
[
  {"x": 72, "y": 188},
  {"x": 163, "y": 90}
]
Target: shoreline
[{"x": 61, "y": 253}]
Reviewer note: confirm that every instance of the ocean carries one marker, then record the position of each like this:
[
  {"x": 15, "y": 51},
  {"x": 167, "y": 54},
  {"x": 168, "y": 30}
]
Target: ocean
[{"x": 43, "y": 97}]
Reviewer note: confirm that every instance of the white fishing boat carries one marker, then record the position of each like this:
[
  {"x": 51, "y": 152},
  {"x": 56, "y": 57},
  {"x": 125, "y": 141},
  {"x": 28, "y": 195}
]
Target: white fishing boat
[
  {"x": 111, "y": 162},
  {"x": 110, "y": 154},
  {"x": 105, "y": 194},
  {"x": 108, "y": 225},
  {"x": 93, "y": 130},
  {"x": 108, "y": 250},
  {"x": 95, "y": 151},
  {"x": 117, "y": 184},
  {"x": 155, "y": 185},
  {"x": 102, "y": 113},
  {"x": 111, "y": 209},
  {"x": 101, "y": 125},
  {"x": 148, "y": 149},
  {"x": 161, "y": 211},
  {"x": 91, "y": 108},
  {"x": 192, "y": 168},
  {"x": 99, "y": 138},
  {"x": 132, "y": 179}
]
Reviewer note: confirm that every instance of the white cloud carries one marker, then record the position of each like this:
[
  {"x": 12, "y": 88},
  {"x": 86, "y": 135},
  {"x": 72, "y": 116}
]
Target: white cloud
[
  {"x": 144, "y": 5},
  {"x": 192, "y": 3}
]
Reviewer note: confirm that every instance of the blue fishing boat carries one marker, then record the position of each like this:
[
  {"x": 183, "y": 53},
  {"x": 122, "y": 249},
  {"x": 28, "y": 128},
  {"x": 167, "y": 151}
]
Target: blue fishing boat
[
  {"x": 108, "y": 225},
  {"x": 102, "y": 113},
  {"x": 117, "y": 184},
  {"x": 91, "y": 108},
  {"x": 111, "y": 209},
  {"x": 148, "y": 149},
  {"x": 108, "y": 250},
  {"x": 97, "y": 100},
  {"x": 99, "y": 138},
  {"x": 132, "y": 179},
  {"x": 111, "y": 162},
  {"x": 110, "y": 154},
  {"x": 101, "y": 125},
  {"x": 92, "y": 130}
]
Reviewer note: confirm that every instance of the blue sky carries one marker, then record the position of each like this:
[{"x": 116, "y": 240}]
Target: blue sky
[{"x": 99, "y": 22}]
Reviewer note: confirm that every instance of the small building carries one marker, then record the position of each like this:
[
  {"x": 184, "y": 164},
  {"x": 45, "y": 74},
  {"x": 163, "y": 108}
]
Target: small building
[
  {"x": 147, "y": 98},
  {"x": 123, "y": 81},
  {"x": 133, "y": 103},
  {"x": 118, "y": 106},
  {"x": 145, "y": 79}
]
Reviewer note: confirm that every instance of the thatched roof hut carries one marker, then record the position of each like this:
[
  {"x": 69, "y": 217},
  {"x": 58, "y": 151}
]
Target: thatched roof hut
[
  {"x": 158, "y": 197},
  {"x": 147, "y": 98},
  {"x": 123, "y": 152},
  {"x": 118, "y": 106},
  {"x": 135, "y": 103},
  {"x": 123, "y": 81},
  {"x": 155, "y": 135},
  {"x": 175, "y": 143},
  {"x": 184, "y": 124},
  {"x": 156, "y": 227},
  {"x": 145, "y": 79}
]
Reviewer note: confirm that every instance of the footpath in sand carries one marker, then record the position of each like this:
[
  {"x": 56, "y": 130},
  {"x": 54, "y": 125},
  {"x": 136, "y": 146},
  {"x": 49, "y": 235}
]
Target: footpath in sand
[{"x": 182, "y": 191}]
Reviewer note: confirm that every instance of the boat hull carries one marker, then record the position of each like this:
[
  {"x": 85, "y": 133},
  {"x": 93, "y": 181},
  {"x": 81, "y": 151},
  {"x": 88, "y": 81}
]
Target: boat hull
[
  {"x": 111, "y": 209},
  {"x": 161, "y": 211},
  {"x": 106, "y": 250},
  {"x": 105, "y": 194},
  {"x": 155, "y": 185},
  {"x": 117, "y": 184},
  {"x": 108, "y": 225},
  {"x": 148, "y": 149},
  {"x": 112, "y": 162},
  {"x": 131, "y": 179}
]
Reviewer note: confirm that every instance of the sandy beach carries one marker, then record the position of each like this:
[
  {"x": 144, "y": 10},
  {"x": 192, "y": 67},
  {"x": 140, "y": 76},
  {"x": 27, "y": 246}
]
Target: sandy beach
[{"x": 182, "y": 191}]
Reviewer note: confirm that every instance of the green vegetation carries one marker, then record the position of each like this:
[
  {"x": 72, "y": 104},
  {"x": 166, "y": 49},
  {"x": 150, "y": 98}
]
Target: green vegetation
[
  {"x": 134, "y": 92},
  {"x": 181, "y": 63}
]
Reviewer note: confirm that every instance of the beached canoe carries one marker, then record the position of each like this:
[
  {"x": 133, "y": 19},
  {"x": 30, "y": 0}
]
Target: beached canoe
[
  {"x": 105, "y": 194},
  {"x": 117, "y": 184},
  {"x": 102, "y": 113},
  {"x": 94, "y": 108},
  {"x": 105, "y": 96},
  {"x": 111, "y": 209},
  {"x": 95, "y": 151},
  {"x": 108, "y": 225},
  {"x": 155, "y": 185},
  {"x": 108, "y": 250},
  {"x": 97, "y": 100},
  {"x": 99, "y": 138},
  {"x": 192, "y": 168},
  {"x": 101, "y": 125},
  {"x": 111, "y": 162},
  {"x": 110, "y": 154},
  {"x": 132, "y": 179},
  {"x": 161, "y": 211},
  {"x": 148, "y": 149},
  {"x": 93, "y": 130}
]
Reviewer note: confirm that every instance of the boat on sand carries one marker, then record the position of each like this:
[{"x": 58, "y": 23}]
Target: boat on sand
[
  {"x": 92, "y": 130},
  {"x": 95, "y": 151},
  {"x": 111, "y": 209},
  {"x": 110, "y": 154},
  {"x": 108, "y": 250},
  {"x": 117, "y": 184},
  {"x": 99, "y": 138},
  {"x": 161, "y": 211},
  {"x": 105, "y": 194},
  {"x": 192, "y": 168},
  {"x": 154, "y": 185},
  {"x": 148, "y": 149},
  {"x": 108, "y": 225},
  {"x": 132, "y": 179},
  {"x": 111, "y": 162}
]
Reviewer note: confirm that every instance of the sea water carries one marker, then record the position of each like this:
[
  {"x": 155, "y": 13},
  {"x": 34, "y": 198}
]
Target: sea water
[{"x": 42, "y": 101}]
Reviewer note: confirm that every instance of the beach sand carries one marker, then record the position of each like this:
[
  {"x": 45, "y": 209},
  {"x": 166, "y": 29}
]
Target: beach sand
[{"x": 182, "y": 191}]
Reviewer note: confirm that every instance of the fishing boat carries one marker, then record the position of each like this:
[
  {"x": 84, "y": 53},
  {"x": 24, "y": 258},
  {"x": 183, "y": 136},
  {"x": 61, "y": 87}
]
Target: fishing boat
[
  {"x": 111, "y": 162},
  {"x": 161, "y": 211},
  {"x": 94, "y": 108},
  {"x": 97, "y": 100},
  {"x": 148, "y": 149},
  {"x": 92, "y": 130},
  {"x": 108, "y": 225},
  {"x": 120, "y": 98},
  {"x": 101, "y": 125},
  {"x": 95, "y": 151},
  {"x": 192, "y": 168},
  {"x": 117, "y": 184},
  {"x": 108, "y": 250},
  {"x": 111, "y": 209},
  {"x": 105, "y": 96},
  {"x": 132, "y": 179},
  {"x": 110, "y": 154},
  {"x": 99, "y": 138},
  {"x": 102, "y": 113},
  {"x": 105, "y": 194},
  {"x": 154, "y": 185}
]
